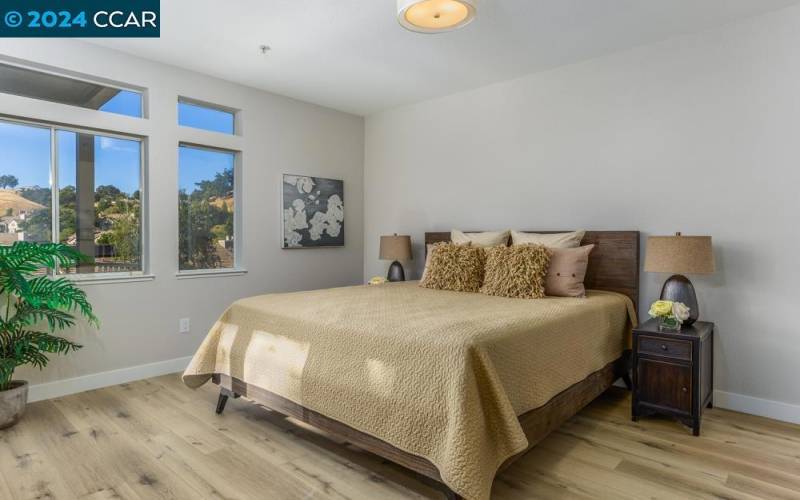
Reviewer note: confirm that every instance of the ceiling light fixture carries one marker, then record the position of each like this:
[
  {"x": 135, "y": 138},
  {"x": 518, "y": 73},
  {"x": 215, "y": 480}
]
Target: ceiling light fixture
[{"x": 435, "y": 16}]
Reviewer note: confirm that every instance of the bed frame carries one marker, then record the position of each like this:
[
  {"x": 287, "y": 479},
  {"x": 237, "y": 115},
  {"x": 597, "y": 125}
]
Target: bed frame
[{"x": 613, "y": 266}]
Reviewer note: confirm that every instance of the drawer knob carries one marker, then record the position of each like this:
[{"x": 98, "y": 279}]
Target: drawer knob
[
  {"x": 663, "y": 347},
  {"x": 684, "y": 389}
]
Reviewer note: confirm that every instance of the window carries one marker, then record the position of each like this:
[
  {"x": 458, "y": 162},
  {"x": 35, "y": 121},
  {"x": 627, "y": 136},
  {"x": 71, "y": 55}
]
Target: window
[
  {"x": 98, "y": 193},
  {"x": 205, "y": 117},
  {"x": 206, "y": 208},
  {"x": 48, "y": 87},
  {"x": 99, "y": 201},
  {"x": 25, "y": 189}
]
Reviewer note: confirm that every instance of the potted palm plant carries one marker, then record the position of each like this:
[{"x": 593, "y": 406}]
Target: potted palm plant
[{"x": 33, "y": 308}]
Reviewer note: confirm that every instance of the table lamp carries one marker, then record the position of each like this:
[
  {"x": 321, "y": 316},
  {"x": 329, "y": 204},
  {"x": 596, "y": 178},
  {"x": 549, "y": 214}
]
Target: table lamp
[
  {"x": 396, "y": 248},
  {"x": 680, "y": 255}
]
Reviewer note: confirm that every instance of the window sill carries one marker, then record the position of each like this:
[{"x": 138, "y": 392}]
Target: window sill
[
  {"x": 109, "y": 279},
  {"x": 210, "y": 273}
]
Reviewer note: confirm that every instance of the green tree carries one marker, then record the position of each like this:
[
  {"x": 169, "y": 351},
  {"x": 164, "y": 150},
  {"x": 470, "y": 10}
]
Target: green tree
[
  {"x": 205, "y": 219},
  {"x": 116, "y": 215},
  {"x": 67, "y": 216},
  {"x": 68, "y": 195},
  {"x": 106, "y": 197},
  {"x": 125, "y": 236},
  {"x": 107, "y": 191},
  {"x": 38, "y": 226},
  {"x": 8, "y": 181},
  {"x": 196, "y": 241},
  {"x": 36, "y": 194},
  {"x": 221, "y": 186}
]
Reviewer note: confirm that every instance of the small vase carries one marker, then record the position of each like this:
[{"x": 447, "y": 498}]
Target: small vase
[{"x": 669, "y": 324}]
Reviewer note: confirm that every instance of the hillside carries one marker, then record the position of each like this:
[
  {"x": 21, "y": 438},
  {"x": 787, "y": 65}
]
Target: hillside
[
  {"x": 220, "y": 202},
  {"x": 10, "y": 199}
]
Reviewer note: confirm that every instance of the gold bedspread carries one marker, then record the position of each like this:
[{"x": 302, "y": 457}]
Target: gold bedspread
[{"x": 442, "y": 375}]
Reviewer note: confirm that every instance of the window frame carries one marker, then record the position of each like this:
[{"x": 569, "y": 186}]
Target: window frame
[
  {"x": 238, "y": 268},
  {"x": 209, "y": 105},
  {"x": 144, "y": 273},
  {"x": 143, "y": 102}
]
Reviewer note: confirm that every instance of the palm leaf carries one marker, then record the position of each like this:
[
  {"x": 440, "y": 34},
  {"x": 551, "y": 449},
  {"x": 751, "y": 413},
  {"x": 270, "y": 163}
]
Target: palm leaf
[
  {"x": 47, "y": 255},
  {"x": 27, "y": 315},
  {"x": 52, "y": 344},
  {"x": 12, "y": 279},
  {"x": 60, "y": 294},
  {"x": 32, "y": 356}
]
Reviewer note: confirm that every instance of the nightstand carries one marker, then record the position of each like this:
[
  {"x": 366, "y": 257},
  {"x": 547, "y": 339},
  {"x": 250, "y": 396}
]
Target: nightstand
[{"x": 673, "y": 372}]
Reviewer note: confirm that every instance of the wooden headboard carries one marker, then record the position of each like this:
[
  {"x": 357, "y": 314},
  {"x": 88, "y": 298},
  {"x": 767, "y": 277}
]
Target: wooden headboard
[{"x": 613, "y": 264}]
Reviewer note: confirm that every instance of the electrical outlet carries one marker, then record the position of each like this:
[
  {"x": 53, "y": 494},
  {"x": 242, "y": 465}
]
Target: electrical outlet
[{"x": 184, "y": 326}]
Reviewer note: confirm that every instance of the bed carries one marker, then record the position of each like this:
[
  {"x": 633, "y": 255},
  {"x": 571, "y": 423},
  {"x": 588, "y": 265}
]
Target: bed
[{"x": 453, "y": 386}]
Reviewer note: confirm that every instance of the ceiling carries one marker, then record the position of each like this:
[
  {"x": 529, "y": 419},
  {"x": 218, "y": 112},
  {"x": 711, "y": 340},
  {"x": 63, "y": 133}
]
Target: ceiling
[{"x": 352, "y": 55}]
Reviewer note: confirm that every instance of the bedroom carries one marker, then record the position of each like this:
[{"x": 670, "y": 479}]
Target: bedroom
[{"x": 282, "y": 151}]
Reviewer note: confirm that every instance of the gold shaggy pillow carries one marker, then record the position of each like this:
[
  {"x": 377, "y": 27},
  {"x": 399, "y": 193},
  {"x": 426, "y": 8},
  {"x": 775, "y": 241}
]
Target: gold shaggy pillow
[
  {"x": 458, "y": 268},
  {"x": 517, "y": 272}
]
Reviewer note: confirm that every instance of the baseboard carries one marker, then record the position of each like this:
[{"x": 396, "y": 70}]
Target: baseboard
[
  {"x": 58, "y": 388},
  {"x": 755, "y": 406},
  {"x": 777, "y": 410}
]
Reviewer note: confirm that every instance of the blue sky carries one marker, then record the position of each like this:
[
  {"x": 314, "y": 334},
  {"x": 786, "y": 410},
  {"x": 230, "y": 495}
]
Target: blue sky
[
  {"x": 124, "y": 103},
  {"x": 25, "y": 154},
  {"x": 190, "y": 115},
  {"x": 116, "y": 161},
  {"x": 26, "y": 150},
  {"x": 200, "y": 164}
]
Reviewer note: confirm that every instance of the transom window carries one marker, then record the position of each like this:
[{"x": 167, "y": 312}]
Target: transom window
[
  {"x": 55, "y": 88},
  {"x": 206, "y": 117},
  {"x": 75, "y": 187}
]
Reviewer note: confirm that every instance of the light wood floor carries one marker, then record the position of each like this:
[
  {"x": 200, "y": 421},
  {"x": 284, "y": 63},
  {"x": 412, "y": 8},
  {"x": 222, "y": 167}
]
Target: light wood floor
[{"x": 158, "y": 439}]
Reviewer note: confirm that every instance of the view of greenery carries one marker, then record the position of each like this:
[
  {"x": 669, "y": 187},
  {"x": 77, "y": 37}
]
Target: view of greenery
[
  {"x": 112, "y": 209},
  {"x": 117, "y": 221},
  {"x": 205, "y": 215},
  {"x": 206, "y": 223}
]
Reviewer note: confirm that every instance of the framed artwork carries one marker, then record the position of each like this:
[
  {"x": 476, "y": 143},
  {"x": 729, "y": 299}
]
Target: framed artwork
[{"x": 313, "y": 212}]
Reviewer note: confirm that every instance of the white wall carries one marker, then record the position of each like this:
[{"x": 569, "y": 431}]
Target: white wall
[
  {"x": 140, "y": 320},
  {"x": 699, "y": 134}
]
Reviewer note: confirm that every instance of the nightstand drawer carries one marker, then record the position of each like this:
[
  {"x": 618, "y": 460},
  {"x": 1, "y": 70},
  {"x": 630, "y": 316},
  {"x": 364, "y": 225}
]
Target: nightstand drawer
[
  {"x": 665, "y": 384},
  {"x": 678, "y": 349}
]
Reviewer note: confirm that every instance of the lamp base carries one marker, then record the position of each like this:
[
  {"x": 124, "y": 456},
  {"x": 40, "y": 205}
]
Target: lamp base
[
  {"x": 396, "y": 272},
  {"x": 678, "y": 288}
]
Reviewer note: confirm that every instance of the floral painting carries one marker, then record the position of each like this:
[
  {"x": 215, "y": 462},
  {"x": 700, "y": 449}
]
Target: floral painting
[{"x": 313, "y": 212}]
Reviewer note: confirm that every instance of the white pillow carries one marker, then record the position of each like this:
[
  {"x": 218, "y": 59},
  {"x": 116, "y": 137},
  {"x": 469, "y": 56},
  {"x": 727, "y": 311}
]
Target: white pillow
[
  {"x": 485, "y": 239},
  {"x": 558, "y": 240}
]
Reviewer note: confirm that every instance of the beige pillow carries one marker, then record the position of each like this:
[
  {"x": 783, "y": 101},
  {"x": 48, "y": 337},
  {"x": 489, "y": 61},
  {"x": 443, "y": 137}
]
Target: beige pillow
[
  {"x": 516, "y": 272},
  {"x": 454, "y": 267},
  {"x": 567, "y": 272},
  {"x": 485, "y": 239},
  {"x": 428, "y": 252},
  {"x": 558, "y": 240}
]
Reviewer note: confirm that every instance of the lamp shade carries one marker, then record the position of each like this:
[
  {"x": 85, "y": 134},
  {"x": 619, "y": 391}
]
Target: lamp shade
[
  {"x": 679, "y": 255},
  {"x": 396, "y": 248},
  {"x": 435, "y": 16}
]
